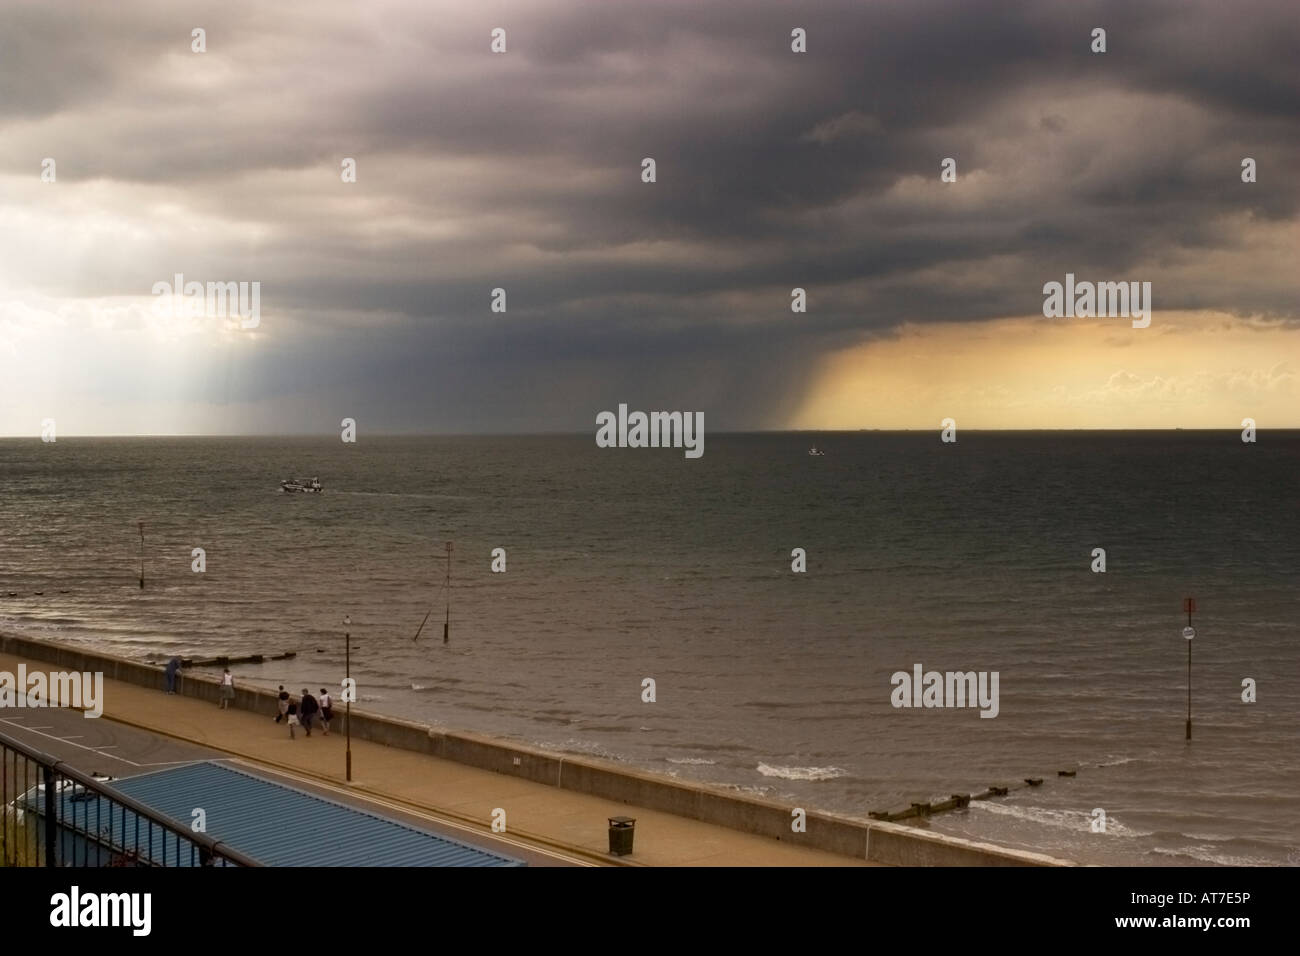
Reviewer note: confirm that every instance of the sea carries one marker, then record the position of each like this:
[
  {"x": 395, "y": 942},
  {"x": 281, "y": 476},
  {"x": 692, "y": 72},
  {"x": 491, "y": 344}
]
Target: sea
[{"x": 629, "y": 566}]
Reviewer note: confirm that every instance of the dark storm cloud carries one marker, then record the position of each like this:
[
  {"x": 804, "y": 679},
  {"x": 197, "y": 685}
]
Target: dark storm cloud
[{"x": 775, "y": 170}]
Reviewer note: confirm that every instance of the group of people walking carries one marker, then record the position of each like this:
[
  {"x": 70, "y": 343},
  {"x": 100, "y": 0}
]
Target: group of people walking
[{"x": 305, "y": 711}]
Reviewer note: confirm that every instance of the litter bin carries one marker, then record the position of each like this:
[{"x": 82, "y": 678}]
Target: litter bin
[{"x": 621, "y": 830}]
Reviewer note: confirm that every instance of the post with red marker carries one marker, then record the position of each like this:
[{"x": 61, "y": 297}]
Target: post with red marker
[
  {"x": 348, "y": 690},
  {"x": 1189, "y": 632}
]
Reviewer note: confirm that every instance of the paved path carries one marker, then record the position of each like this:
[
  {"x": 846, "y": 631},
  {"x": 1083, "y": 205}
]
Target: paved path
[
  {"x": 546, "y": 819},
  {"x": 117, "y": 750}
]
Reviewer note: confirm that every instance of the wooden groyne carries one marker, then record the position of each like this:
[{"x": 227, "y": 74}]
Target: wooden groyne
[
  {"x": 187, "y": 662},
  {"x": 960, "y": 801}
]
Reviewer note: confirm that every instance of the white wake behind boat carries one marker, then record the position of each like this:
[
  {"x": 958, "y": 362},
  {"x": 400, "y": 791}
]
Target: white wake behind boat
[{"x": 307, "y": 486}]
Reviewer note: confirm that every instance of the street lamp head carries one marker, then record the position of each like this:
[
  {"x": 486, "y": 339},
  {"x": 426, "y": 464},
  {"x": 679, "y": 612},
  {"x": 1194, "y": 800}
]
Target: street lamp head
[{"x": 347, "y": 619}]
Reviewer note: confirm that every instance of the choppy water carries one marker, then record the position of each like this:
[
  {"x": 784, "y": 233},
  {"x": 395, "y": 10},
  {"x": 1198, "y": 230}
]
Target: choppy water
[{"x": 626, "y": 564}]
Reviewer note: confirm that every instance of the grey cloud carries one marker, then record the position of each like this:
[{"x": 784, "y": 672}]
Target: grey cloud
[{"x": 775, "y": 170}]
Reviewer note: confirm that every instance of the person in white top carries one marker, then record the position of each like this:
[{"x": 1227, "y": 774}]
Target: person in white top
[
  {"x": 227, "y": 689},
  {"x": 326, "y": 710}
]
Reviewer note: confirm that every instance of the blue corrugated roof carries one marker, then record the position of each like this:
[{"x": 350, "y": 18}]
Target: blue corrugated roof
[
  {"x": 97, "y": 831},
  {"x": 282, "y": 826}
]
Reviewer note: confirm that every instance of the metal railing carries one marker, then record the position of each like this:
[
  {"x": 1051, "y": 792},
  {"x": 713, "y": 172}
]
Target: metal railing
[{"x": 54, "y": 815}]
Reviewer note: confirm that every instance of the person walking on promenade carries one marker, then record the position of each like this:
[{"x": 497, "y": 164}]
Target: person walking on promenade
[
  {"x": 227, "y": 689},
  {"x": 308, "y": 709},
  {"x": 173, "y": 666},
  {"x": 291, "y": 717},
  {"x": 326, "y": 710},
  {"x": 283, "y": 701}
]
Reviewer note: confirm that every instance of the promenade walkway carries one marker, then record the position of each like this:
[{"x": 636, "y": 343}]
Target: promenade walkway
[{"x": 535, "y": 813}]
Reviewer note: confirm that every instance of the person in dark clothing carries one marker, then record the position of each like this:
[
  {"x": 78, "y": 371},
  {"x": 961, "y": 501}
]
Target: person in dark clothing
[
  {"x": 283, "y": 702},
  {"x": 173, "y": 666},
  {"x": 307, "y": 710}
]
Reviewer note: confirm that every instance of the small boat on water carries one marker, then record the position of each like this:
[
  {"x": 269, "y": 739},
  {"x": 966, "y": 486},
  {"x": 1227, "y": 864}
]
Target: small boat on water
[
  {"x": 308, "y": 486},
  {"x": 813, "y": 451}
]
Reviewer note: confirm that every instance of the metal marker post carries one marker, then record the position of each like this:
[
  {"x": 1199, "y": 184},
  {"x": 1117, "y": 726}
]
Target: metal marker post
[
  {"x": 141, "y": 524},
  {"x": 347, "y": 688},
  {"x": 446, "y": 624},
  {"x": 1189, "y": 632}
]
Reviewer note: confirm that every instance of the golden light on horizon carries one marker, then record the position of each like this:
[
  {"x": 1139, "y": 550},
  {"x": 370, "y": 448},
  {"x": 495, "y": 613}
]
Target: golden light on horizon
[{"x": 1188, "y": 370}]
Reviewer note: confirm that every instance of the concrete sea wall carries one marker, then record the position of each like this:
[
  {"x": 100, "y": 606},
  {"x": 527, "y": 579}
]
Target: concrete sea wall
[{"x": 877, "y": 841}]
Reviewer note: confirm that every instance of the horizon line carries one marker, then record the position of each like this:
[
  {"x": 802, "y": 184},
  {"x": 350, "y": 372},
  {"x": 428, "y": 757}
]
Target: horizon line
[{"x": 738, "y": 431}]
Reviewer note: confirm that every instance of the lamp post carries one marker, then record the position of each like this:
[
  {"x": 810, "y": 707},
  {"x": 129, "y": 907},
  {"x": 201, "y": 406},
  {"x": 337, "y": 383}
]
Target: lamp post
[
  {"x": 347, "y": 687},
  {"x": 140, "y": 524}
]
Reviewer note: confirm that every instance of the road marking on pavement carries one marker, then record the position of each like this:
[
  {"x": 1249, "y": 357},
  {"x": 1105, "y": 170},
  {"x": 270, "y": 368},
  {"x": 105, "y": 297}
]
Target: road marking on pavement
[
  {"x": 403, "y": 808},
  {"x": 100, "y": 750}
]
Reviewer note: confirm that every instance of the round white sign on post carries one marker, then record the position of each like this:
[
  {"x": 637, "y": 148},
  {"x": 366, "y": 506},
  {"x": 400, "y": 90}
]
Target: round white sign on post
[{"x": 1189, "y": 632}]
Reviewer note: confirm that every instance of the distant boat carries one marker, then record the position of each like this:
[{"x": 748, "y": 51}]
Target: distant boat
[
  {"x": 308, "y": 486},
  {"x": 813, "y": 451}
]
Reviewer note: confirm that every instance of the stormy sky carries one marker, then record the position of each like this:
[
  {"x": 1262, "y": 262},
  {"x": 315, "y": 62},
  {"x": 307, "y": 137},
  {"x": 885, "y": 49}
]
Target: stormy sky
[{"x": 522, "y": 170}]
